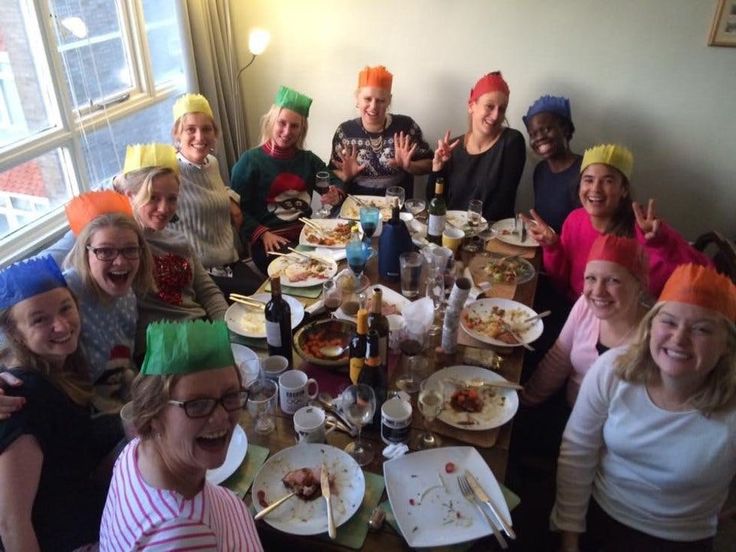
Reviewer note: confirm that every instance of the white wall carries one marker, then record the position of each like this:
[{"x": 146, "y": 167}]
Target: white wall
[{"x": 637, "y": 72}]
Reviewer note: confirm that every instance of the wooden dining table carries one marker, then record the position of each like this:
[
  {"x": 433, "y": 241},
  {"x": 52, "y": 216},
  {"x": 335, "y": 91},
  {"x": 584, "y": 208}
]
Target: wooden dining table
[{"x": 496, "y": 455}]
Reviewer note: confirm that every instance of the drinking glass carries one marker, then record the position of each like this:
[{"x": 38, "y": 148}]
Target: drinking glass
[
  {"x": 431, "y": 400},
  {"x": 331, "y": 296},
  {"x": 475, "y": 210},
  {"x": 262, "y": 394},
  {"x": 415, "y": 206},
  {"x": 322, "y": 185},
  {"x": 396, "y": 191},
  {"x": 369, "y": 221},
  {"x": 357, "y": 253},
  {"x": 358, "y": 404}
]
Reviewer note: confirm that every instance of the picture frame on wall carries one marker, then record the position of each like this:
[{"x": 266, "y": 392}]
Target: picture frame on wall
[{"x": 723, "y": 30}]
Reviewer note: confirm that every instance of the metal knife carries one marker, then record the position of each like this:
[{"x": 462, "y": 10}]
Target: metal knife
[
  {"x": 271, "y": 507},
  {"x": 485, "y": 499},
  {"x": 523, "y": 231},
  {"x": 325, "y": 484}
]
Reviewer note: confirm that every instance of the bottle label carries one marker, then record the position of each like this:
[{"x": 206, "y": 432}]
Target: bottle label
[
  {"x": 436, "y": 225},
  {"x": 273, "y": 334},
  {"x": 356, "y": 366}
]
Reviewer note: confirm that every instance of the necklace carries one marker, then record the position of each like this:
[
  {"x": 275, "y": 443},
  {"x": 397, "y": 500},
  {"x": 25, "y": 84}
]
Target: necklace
[{"x": 376, "y": 143}]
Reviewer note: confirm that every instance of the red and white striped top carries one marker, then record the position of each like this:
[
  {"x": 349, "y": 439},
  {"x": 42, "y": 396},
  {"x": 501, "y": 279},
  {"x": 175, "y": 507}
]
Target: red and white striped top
[{"x": 140, "y": 517}]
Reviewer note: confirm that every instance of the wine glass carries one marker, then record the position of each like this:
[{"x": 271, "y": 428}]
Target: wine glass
[
  {"x": 322, "y": 185},
  {"x": 331, "y": 296},
  {"x": 358, "y": 404},
  {"x": 369, "y": 221},
  {"x": 415, "y": 206},
  {"x": 431, "y": 400},
  {"x": 260, "y": 404},
  {"x": 396, "y": 191},
  {"x": 475, "y": 215},
  {"x": 357, "y": 253}
]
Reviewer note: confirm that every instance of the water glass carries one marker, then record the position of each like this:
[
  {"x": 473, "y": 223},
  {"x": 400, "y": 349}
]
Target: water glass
[
  {"x": 411, "y": 271},
  {"x": 396, "y": 191},
  {"x": 262, "y": 397},
  {"x": 430, "y": 402}
]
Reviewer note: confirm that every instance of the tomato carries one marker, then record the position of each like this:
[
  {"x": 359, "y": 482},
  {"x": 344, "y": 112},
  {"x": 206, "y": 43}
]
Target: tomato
[{"x": 450, "y": 467}]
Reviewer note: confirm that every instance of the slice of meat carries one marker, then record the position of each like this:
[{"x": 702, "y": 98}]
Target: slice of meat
[{"x": 305, "y": 482}]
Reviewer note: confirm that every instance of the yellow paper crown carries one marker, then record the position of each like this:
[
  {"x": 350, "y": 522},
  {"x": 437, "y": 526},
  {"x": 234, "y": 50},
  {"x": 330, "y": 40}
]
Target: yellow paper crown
[
  {"x": 143, "y": 156},
  {"x": 614, "y": 155},
  {"x": 192, "y": 103}
]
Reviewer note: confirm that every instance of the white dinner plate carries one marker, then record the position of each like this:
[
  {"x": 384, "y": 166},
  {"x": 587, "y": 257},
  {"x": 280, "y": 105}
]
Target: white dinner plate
[
  {"x": 251, "y": 322},
  {"x": 499, "y": 405},
  {"x": 515, "y": 314},
  {"x": 300, "y": 517},
  {"x": 235, "y": 455},
  {"x": 426, "y": 500},
  {"x": 505, "y": 232},
  {"x": 389, "y": 297},
  {"x": 351, "y": 209},
  {"x": 328, "y": 225},
  {"x": 279, "y": 266}
]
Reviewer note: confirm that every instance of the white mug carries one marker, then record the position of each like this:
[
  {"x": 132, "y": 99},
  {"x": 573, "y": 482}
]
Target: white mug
[
  {"x": 310, "y": 425},
  {"x": 294, "y": 390},
  {"x": 395, "y": 421},
  {"x": 274, "y": 366}
]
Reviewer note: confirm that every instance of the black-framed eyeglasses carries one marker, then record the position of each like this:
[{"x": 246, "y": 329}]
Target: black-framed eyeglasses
[
  {"x": 201, "y": 408},
  {"x": 111, "y": 253}
]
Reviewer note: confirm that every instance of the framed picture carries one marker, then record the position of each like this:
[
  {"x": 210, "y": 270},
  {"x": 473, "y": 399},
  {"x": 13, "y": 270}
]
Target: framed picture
[{"x": 723, "y": 31}]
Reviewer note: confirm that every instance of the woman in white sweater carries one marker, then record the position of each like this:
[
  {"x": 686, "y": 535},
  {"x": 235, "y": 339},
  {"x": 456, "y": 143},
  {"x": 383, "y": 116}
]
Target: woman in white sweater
[{"x": 650, "y": 448}]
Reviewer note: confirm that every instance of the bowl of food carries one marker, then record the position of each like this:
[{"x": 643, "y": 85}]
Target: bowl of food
[{"x": 325, "y": 342}]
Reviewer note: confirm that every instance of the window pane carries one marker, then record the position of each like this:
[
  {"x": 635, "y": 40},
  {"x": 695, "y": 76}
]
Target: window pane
[
  {"x": 25, "y": 89},
  {"x": 96, "y": 62},
  {"x": 104, "y": 150},
  {"x": 32, "y": 189},
  {"x": 164, "y": 40}
]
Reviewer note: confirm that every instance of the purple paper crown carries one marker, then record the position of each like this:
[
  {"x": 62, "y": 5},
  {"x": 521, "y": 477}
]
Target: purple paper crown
[
  {"x": 25, "y": 279},
  {"x": 549, "y": 104}
]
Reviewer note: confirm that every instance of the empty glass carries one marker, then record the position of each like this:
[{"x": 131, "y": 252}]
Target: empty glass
[
  {"x": 396, "y": 191},
  {"x": 415, "y": 206},
  {"x": 262, "y": 397},
  {"x": 358, "y": 404},
  {"x": 475, "y": 215},
  {"x": 331, "y": 296},
  {"x": 431, "y": 400}
]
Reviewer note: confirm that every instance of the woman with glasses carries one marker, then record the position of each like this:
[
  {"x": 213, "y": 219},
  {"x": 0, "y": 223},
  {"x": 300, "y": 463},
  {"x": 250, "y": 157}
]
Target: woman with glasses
[
  {"x": 49, "y": 450},
  {"x": 487, "y": 161},
  {"x": 187, "y": 400}
]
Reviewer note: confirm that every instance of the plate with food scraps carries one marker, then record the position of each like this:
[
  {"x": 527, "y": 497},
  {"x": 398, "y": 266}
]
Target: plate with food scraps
[
  {"x": 298, "y": 271},
  {"x": 426, "y": 500},
  {"x": 505, "y": 232},
  {"x": 334, "y": 234},
  {"x": 351, "y": 208},
  {"x": 235, "y": 455},
  {"x": 298, "y": 469},
  {"x": 251, "y": 321},
  {"x": 469, "y": 403},
  {"x": 391, "y": 303},
  {"x": 498, "y": 321},
  {"x": 501, "y": 269},
  {"x": 459, "y": 219}
]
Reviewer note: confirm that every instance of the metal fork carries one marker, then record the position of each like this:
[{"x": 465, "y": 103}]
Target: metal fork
[{"x": 469, "y": 495}]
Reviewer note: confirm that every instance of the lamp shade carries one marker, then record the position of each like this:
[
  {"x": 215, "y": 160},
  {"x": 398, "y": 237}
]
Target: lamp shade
[{"x": 258, "y": 40}]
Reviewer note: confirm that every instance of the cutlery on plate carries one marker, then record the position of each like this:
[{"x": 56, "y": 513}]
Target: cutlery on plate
[
  {"x": 537, "y": 317},
  {"x": 482, "y": 495},
  {"x": 271, "y": 507},
  {"x": 313, "y": 225},
  {"x": 469, "y": 495},
  {"x": 248, "y": 301},
  {"x": 325, "y": 484},
  {"x": 358, "y": 201},
  {"x": 505, "y": 384},
  {"x": 507, "y": 327},
  {"x": 311, "y": 257}
]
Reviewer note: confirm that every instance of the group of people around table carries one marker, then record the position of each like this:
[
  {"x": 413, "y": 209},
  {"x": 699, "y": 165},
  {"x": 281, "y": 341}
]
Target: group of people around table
[{"x": 146, "y": 266}]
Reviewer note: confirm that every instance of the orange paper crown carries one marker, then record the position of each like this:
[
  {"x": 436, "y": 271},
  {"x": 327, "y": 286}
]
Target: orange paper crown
[
  {"x": 626, "y": 252},
  {"x": 701, "y": 286},
  {"x": 81, "y": 210},
  {"x": 492, "y": 82},
  {"x": 376, "y": 77}
]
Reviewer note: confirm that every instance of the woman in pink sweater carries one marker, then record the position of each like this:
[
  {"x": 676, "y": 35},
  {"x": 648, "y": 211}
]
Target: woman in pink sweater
[
  {"x": 604, "y": 317},
  {"x": 608, "y": 208}
]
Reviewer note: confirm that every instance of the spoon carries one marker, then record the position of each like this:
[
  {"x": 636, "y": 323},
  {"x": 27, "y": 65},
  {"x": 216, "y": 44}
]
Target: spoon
[{"x": 332, "y": 351}]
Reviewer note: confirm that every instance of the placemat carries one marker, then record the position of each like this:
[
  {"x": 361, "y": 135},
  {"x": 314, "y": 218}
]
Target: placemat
[
  {"x": 334, "y": 379},
  {"x": 352, "y": 534},
  {"x": 497, "y": 246},
  {"x": 512, "y": 500},
  {"x": 308, "y": 292},
  {"x": 252, "y": 342},
  {"x": 242, "y": 479}
]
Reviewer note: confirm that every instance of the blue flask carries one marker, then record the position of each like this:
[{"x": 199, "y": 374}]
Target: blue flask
[{"x": 394, "y": 240}]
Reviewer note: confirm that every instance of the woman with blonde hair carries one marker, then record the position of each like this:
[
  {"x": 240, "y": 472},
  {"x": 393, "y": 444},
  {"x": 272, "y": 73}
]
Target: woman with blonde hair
[
  {"x": 649, "y": 448},
  {"x": 276, "y": 179}
]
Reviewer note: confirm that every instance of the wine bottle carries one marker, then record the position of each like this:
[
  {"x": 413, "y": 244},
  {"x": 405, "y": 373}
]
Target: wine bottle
[
  {"x": 374, "y": 374},
  {"x": 278, "y": 323},
  {"x": 437, "y": 213},
  {"x": 358, "y": 346},
  {"x": 377, "y": 321}
]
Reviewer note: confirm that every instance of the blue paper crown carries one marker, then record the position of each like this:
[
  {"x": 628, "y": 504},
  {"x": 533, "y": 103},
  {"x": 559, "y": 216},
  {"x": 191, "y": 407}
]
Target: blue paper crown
[
  {"x": 25, "y": 279},
  {"x": 550, "y": 104}
]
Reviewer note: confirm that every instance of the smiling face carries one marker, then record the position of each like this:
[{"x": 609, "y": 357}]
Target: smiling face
[
  {"x": 488, "y": 113},
  {"x": 194, "y": 445},
  {"x": 601, "y": 189},
  {"x": 372, "y": 106},
  {"x": 197, "y": 137},
  {"x": 113, "y": 277},
  {"x": 610, "y": 290},
  {"x": 156, "y": 213},
  {"x": 48, "y": 324},
  {"x": 547, "y": 136},
  {"x": 287, "y": 129}
]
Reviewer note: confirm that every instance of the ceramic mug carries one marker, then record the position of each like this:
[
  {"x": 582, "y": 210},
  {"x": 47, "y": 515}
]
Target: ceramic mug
[
  {"x": 311, "y": 426},
  {"x": 294, "y": 390},
  {"x": 395, "y": 421},
  {"x": 452, "y": 238},
  {"x": 274, "y": 366}
]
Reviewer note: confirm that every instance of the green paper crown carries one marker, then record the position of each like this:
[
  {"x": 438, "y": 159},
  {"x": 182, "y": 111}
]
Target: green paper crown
[
  {"x": 186, "y": 347},
  {"x": 291, "y": 99}
]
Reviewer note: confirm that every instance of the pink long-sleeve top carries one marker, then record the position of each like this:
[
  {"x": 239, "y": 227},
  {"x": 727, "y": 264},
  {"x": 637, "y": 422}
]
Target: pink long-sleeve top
[
  {"x": 565, "y": 261},
  {"x": 569, "y": 358}
]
